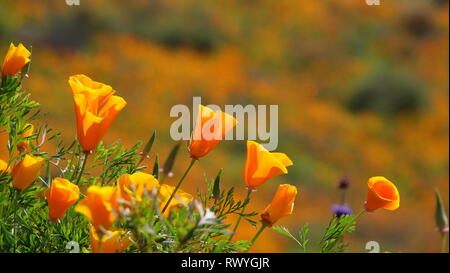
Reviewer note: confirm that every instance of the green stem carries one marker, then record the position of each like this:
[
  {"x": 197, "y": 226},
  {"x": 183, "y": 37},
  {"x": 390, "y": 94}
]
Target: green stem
[
  {"x": 443, "y": 242},
  {"x": 264, "y": 225},
  {"x": 83, "y": 166},
  {"x": 359, "y": 214},
  {"x": 343, "y": 197},
  {"x": 178, "y": 185},
  {"x": 247, "y": 198},
  {"x": 15, "y": 218}
]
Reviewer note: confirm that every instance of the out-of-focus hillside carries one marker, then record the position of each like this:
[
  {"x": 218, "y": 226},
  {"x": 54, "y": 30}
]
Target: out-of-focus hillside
[{"x": 362, "y": 91}]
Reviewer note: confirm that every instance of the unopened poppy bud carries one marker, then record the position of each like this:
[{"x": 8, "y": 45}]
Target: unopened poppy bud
[
  {"x": 343, "y": 183},
  {"x": 440, "y": 214}
]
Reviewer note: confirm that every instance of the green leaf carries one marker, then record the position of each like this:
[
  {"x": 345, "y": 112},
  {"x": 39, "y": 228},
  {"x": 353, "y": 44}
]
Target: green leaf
[{"x": 170, "y": 161}]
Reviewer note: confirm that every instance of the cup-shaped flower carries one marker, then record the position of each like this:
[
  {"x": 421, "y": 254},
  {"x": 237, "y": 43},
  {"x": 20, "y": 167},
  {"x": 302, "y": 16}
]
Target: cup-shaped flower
[
  {"x": 61, "y": 196},
  {"x": 24, "y": 145},
  {"x": 210, "y": 128},
  {"x": 113, "y": 240},
  {"x": 165, "y": 191},
  {"x": 95, "y": 107},
  {"x": 16, "y": 58},
  {"x": 100, "y": 206},
  {"x": 381, "y": 193},
  {"x": 282, "y": 204},
  {"x": 261, "y": 165},
  {"x": 26, "y": 171},
  {"x": 133, "y": 186}
]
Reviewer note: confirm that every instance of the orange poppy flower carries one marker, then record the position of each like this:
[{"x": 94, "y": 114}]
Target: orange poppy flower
[
  {"x": 132, "y": 186},
  {"x": 100, "y": 206},
  {"x": 281, "y": 205},
  {"x": 95, "y": 107},
  {"x": 60, "y": 196},
  {"x": 4, "y": 167},
  {"x": 261, "y": 165},
  {"x": 15, "y": 59},
  {"x": 165, "y": 192},
  {"x": 26, "y": 171},
  {"x": 381, "y": 193},
  {"x": 113, "y": 240},
  {"x": 210, "y": 128}
]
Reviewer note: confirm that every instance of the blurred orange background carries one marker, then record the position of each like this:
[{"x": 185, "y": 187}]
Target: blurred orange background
[{"x": 362, "y": 91}]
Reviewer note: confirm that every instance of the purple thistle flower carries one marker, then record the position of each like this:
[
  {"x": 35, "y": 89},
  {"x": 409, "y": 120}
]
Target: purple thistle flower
[{"x": 340, "y": 210}]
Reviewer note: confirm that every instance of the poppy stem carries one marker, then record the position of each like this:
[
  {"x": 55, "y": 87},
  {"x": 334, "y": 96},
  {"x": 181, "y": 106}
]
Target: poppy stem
[
  {"x": 264, "y": 225},
  {"x": 240, "y": 216},
  {"x": 178, "y": 185},
  {"x": 83, "y": 166},
  {"x": 15, "y": 208},
  {"x": 443, "y": 242}
]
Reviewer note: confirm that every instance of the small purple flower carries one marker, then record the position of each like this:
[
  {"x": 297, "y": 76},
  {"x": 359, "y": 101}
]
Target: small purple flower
[
  {"x": 340, "y": 210},
  {"x": 344, "y": 183}
]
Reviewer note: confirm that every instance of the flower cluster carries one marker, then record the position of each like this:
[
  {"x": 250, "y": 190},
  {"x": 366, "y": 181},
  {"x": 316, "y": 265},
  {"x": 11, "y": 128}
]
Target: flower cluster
[{"x": 129, "y": 200}]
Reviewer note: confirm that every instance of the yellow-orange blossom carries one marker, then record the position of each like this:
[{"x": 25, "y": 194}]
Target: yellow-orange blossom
[
  {"x": 16, "y": 58},
  {"x": 60, "y": 196},
  {"x": 113, "y": 240},
  {"x": 281, "y": 205},
  {"x": 100, "y": 206},
  {"x": 26, "y": 171},
  {"x": 210, "y": 128},
  {"x": 381, "y": 193},
  {"x": 96, "y": 107},
  {"x": 261, "y": 165}
]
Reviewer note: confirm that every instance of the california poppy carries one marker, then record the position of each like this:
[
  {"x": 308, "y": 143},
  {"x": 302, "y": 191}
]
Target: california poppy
[
  {"x": 281, "y": 205},
  {"x": 261, "y": 165},
  {"x": 210, "y": 128},
  {"x": 178, "y": 200},
  {"x": 113, "y": 240},
  {"x": 16, "y": 58},
  {"x": 4, "y": 167},
  {"x": 60, "y": 196},
  {"x": 100, "y": 206},
  {"x": 26, "y": 171},
  {"x": 381, "y": 193},
  {"x": 133, "y": 186},
  {"x": 95, "y": 107}
]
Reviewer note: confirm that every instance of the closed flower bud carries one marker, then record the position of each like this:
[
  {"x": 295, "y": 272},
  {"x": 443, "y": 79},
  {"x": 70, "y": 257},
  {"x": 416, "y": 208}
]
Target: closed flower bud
[
  {"x": 26, "y": 171},
  {"x": 382, "y": 193},
  {"x": 165, "y": 191},
  {"x": 100, "y": 206},
  {"x": 281, "y": 205},
  {"x": 95, "y": 107},
  {"x": 343, "y": 183},
  {"x": 210, "y": 128},
  {"x": 440, "y": 214},
  {"x": 113, "y": 240},
  {"x": 15, "y": 59},
  {"x": 60, "y": 196},
  {"x": 133, "y": 186},
  {"x": 261, "y": 165}
]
